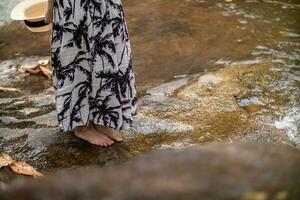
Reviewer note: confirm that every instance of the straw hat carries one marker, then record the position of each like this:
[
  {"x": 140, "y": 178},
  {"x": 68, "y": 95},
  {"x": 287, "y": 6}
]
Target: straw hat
[{"x": 32, "y": 12}]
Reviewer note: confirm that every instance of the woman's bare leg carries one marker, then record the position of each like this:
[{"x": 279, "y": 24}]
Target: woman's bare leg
[{"x": 91, "y": 135}]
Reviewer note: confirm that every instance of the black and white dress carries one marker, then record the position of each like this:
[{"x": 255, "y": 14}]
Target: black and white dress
[{"x": 93, "y": 74}]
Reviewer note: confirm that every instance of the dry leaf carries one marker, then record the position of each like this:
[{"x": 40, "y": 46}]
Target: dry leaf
[
  {"x": 20, "y": 69},
  {"x": 24, "y": 168},
  {"x": 46, "y": 71},
  {"x": 42, "y": 67},
  {"x": 34, "y": 70},
  {"x": 9, "y": 89},
  {"x": 44, "y": 62},
  {"x": 5, "y": 160}
]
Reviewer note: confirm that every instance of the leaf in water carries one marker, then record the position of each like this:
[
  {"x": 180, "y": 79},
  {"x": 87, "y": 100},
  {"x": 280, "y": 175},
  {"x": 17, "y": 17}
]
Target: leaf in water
[
  {"x": 43, "y": 66},
  {"x": 10, "y": 89},
  {"x": 24, "y": 168},
  {"x": 44, "y": 62},
  {"x": 46, "y": 71},
  {"x": 34, "y": 70},
  {"x": 5, "y": 160},
  {"x": 20, "y": 69}
]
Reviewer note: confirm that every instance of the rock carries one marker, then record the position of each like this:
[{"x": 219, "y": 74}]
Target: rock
[
  {"x": 220, "y": 106},
  {"x": 169, "y": 87},
  {"x": 209, "y": 79},
  {"x": 215, "y": 171},
  {"x": 177, "y": 145},
  {"x": 28, "y": 111},
  {"x": 146, "y": 125}
]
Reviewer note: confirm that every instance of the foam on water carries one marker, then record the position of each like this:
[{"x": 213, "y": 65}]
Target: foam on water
[{"x": 291, "y": 123}]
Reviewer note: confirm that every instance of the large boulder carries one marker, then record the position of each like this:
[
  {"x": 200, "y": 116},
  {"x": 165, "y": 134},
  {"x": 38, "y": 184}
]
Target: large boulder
[{"x": 212, "y": 171}]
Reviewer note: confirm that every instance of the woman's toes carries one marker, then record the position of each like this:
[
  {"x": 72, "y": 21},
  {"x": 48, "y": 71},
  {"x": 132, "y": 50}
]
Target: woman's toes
[
  {"x": 110, "y": 132},
  {"x": 105, "y": 144},
  {"x": 110, "y": 142},
  {"x": 119, "y": 137},
  {"x": 114, "y": 135}
]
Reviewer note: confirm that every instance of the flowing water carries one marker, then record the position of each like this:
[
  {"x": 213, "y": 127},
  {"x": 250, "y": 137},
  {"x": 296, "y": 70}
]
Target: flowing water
[{"x": 244, "y": 56}]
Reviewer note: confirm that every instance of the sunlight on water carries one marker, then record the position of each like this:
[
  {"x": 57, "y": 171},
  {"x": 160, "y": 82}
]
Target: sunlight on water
[{"x": 291, "y": 123}]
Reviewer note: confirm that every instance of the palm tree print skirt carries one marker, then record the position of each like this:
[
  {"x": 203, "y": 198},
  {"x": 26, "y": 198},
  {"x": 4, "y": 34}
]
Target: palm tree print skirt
[{"x": 92, "y": 67}]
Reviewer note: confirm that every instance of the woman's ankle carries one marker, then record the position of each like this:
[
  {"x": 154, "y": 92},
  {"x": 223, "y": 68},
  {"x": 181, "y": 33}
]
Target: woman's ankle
[{"x": 81, "y": 128}]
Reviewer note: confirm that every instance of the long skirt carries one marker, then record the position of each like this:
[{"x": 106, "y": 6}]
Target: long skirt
[{"x": 91, "y": 59}]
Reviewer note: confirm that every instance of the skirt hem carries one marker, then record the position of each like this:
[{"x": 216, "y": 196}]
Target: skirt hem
[{"x": 125, "y": 126}]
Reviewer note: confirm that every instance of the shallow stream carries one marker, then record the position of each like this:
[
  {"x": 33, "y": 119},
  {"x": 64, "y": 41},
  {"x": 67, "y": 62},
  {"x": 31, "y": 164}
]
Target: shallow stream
[{"x": 206, "y": 71}]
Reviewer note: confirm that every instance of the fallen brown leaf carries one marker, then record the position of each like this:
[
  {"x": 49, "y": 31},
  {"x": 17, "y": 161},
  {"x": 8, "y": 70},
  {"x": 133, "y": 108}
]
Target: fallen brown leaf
[
  {"x": 10, "y": 89},
  {"x": 46, "y": 71},
  {"x": 43, "y": 66},
  {"x": 34, "y": 70},
  {"x": 20, "y": 69},
  {"x": 44, "y": 62},
  {"x": 24, "y": 168},
  {"x": 5, "y": 160}
]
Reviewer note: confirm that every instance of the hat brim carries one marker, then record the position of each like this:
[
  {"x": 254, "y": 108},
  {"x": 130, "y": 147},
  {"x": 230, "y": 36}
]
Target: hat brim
[
  {"x": 41, "y": 28},
  {"x": 29, "y": 9}
]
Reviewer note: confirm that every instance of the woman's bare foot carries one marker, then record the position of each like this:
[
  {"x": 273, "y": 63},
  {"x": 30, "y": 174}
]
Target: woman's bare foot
[
  {"x": 91, "y": 135},
  {"x": 110, "y": 132}
]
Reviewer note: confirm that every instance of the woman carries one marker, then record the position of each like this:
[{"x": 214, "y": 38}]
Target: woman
[{"x": 93, "y": 75}]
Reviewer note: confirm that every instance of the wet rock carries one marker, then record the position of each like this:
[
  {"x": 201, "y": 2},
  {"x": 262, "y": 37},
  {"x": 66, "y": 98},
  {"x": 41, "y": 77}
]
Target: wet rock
[
  {"x": 181, "y": 144},
  {"x": 197, "y": 109},
  {"x": 264, "y": 134},
  {"x": 28, "y": 111},
  {"x": 41, "y": 100},
  {"x": 3, "y": 186},
  {"x": 291, "y": 123},
  {"x": 209, "y": 80},
  {"x": 215, "y": 171},
  {"x": 5, "y": 100},
  {"x": 19, "y": 102},
  {"x": 146, "y": 125},
  {"x": 251, "y": 101},
  {"x": 49, "y": 119},
  {"x": 168, "y": 88},
  {"x": 7, "y": 120}
]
